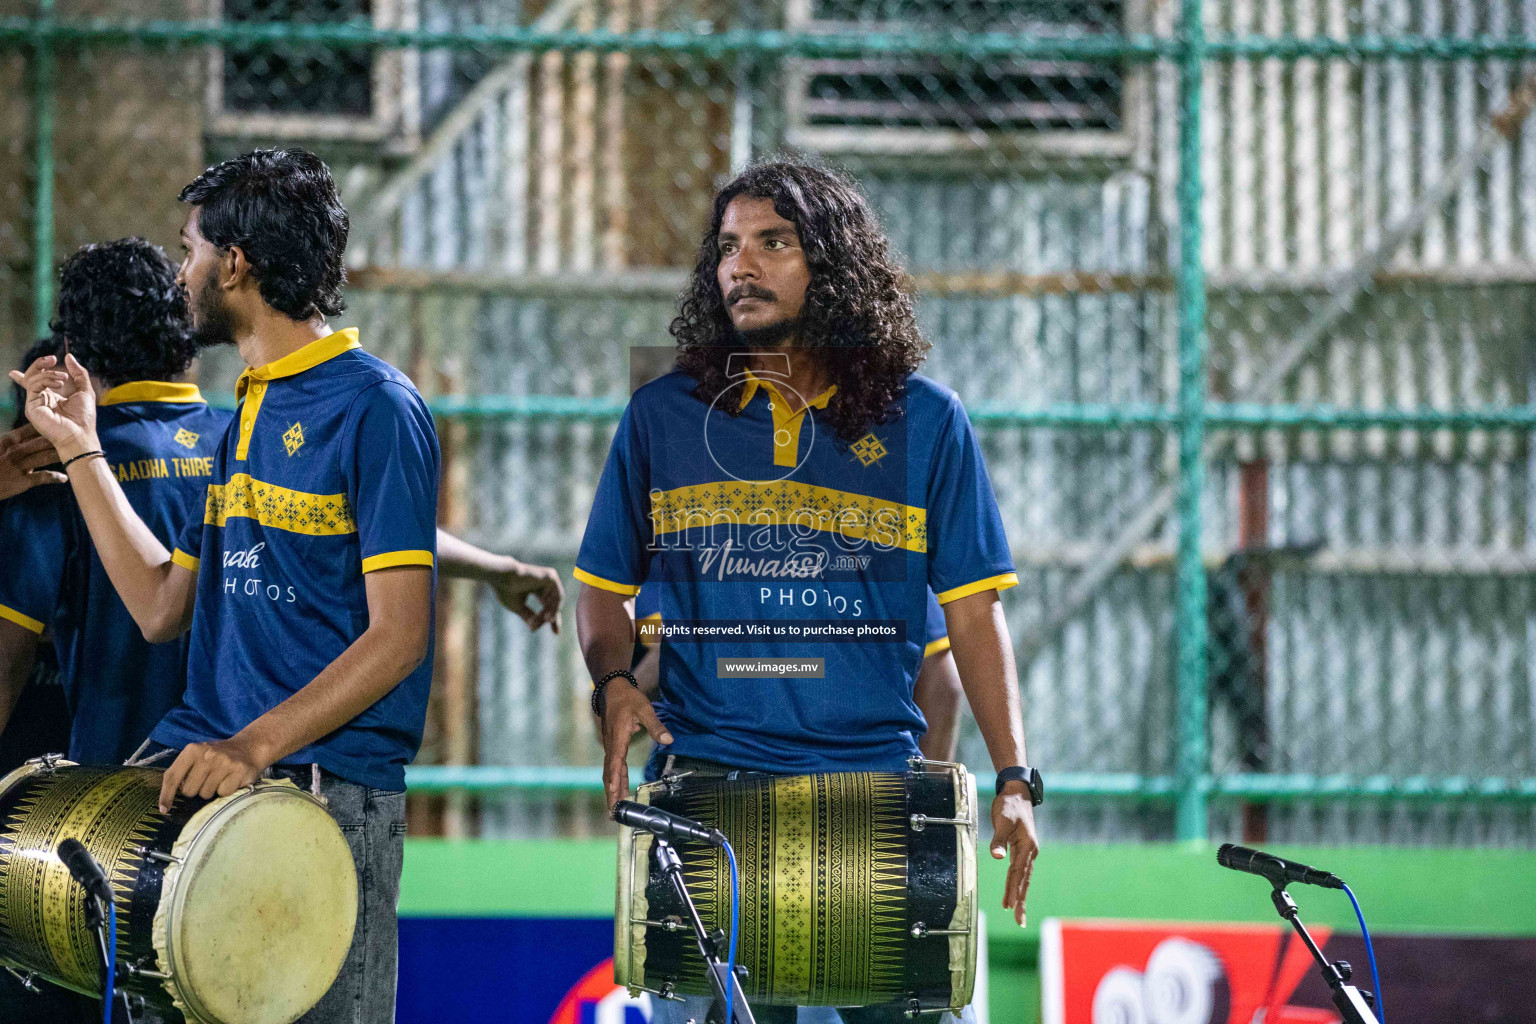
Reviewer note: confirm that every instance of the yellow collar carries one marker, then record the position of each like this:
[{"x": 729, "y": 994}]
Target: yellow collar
[
  {"x": 150, "y": 391},
  {"x": 306, "y": 358},
  {"x": 781, "y": 407}
]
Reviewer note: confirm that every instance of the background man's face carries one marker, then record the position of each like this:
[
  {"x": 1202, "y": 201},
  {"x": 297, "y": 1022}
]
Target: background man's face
[
  {"x": 762, "y": 273},
  {"x": 198, "y": 276}
]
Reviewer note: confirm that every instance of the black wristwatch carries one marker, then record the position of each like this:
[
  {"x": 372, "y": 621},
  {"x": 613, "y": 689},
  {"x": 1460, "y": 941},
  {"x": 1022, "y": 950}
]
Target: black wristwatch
[
  {"x": 600, "y": 689},
  {"x": 1029, "y": 776}
]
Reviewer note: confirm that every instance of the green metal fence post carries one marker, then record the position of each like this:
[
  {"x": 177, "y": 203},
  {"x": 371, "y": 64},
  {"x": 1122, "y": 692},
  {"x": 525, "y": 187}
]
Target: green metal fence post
[
  {"x": 1190, "y": 578},
  {"x": 42, "y": 165}
]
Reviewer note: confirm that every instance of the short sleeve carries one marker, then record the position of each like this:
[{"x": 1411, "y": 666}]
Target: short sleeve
[
  {"x": 935, "y": 629},
  {"x": 36, "y": 536},
  {"x": 189, "y": 542},
  {"x": 389, "y": 459},
  {"x": 967, "y": 549},
  {"x": 614, "y": 548},
  {"x": 648, "y": 614}
]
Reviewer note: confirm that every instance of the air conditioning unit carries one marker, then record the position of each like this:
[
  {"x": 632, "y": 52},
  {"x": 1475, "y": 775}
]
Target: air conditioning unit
[
  {"x": 923, "y": 106},
  {"x": 316, "y": 92}
]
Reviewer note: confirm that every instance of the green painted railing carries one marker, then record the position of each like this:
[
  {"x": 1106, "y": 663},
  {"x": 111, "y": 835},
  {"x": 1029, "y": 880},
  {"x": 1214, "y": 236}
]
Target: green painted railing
[
  {"x": 23, "y": 31},
  {"x": 1095, "y": 785},
  {"x": 1089, "y": 417}
]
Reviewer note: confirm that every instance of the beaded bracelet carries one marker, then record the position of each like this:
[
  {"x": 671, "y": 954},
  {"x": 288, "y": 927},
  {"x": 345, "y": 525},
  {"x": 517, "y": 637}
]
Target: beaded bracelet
[{"x": 600, "y": 689}]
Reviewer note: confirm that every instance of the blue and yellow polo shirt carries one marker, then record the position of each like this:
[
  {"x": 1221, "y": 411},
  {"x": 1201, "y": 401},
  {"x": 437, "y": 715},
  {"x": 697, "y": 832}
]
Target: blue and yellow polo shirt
[
  {"x": 328, "y": 471},
  {"x": 767, "y": 521},
  {"x": 160, "y": 440}
]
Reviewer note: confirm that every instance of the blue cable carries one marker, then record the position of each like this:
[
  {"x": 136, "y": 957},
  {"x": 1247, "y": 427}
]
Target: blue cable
[
  {"x": 1370, "y": 953},
  {"x": 730, "y": 960},
  {"x": 106, "y": 1000}
]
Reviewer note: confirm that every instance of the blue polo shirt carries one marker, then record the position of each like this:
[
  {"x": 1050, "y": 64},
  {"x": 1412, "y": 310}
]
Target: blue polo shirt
[
  {"x": 766, "y": 520},
  {"x": 160, "y": 440},
  {"x": 328, "y": 472}
]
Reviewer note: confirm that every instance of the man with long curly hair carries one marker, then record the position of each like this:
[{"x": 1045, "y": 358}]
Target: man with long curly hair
[
  {"x": 796, "y": 474},
  {"x": 126, "y": 321}
]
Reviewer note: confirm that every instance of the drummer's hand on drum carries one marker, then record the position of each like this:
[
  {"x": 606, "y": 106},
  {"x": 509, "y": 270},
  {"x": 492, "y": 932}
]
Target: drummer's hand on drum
[
  {"x": 1013, "y": 836},
  {"x": 212, "y": 769},
  {"x": 626, "y": 712}
]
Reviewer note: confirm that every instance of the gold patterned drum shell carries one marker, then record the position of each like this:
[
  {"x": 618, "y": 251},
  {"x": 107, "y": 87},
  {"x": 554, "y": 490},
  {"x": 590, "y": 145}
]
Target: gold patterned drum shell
[
  {"x": 245, "y": 905},
  {"x": 847, "y": 898}
]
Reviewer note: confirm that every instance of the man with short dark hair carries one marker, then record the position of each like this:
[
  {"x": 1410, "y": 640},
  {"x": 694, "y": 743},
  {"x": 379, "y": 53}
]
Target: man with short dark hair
[{"x": 307, "y": 584}]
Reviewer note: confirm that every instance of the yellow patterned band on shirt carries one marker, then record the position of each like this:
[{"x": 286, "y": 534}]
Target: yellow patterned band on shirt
[
  {"x": 392, "y": 559},
  {"x": 627, "y": 589},
  {"x": 186, "y": 561},
  {"x": 787, "y": 503},
  {"x": 317, "y": 515},
  {"x": 24, "y": 621},
  {"x": 1000, "y": 582}
]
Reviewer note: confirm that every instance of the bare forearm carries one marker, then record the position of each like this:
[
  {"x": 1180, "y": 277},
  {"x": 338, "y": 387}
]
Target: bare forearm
[
  {"x": 462, "y": 560},
  {"x": 605, "y": 629},
  {"x": 372, "y": 666},
  {"x": 137, "y": 563},
  {"x": 937, "y": 693},
  {"x": 648, "y": 672},
  {"x": 983, "y": 655}
]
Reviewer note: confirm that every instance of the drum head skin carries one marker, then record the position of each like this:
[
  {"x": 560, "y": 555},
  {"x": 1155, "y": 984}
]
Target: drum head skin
[{"x": 256, "y": 921}]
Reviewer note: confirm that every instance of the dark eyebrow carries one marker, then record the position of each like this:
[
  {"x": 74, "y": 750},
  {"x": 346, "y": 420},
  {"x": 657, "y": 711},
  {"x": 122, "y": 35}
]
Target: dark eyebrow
[{"x": 787, "y": 232}]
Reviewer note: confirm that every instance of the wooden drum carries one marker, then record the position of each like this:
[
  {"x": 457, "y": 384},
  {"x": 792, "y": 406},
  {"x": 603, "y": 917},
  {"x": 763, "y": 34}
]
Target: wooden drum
[
  {"x": 858, "y": 889},
  {"x": 238, "y": 910}
]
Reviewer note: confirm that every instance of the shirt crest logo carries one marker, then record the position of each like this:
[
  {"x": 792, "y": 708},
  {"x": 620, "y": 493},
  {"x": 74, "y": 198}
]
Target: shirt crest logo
[
  {"x": 293, "y": 439},
  {"x": 185, "y": 438},
  {"x": 868, "y": 449}
]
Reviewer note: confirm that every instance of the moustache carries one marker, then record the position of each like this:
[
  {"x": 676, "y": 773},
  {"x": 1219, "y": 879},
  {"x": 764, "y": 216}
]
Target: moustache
[{"x": 749, "y": 291}]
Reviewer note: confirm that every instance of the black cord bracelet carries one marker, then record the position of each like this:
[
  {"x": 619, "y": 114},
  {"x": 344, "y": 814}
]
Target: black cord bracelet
[
  {"x": 600, "y": 689},
  {"x": 84, "y": 455}
]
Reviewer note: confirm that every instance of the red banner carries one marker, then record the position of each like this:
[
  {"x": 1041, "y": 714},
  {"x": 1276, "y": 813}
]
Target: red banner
[{"x": 1125, "y": 972}]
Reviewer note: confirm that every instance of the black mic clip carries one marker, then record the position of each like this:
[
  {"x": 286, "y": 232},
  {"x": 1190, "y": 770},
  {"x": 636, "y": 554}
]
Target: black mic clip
[{"x": 665, "y": 824}]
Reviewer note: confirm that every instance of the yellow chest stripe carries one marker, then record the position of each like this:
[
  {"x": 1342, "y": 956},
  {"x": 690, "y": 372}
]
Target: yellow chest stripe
[
  {"x": 318, "y": 515},
  {"x": 787, "y": 503}
]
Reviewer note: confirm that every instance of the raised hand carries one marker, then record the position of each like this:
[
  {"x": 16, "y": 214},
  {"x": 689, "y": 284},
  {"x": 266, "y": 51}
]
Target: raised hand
[{"x": 61, "y": 404}]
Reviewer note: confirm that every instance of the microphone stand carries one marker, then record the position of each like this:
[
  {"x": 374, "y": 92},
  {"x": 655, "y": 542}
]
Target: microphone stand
[
  {"x": 1352, "y": 1003},
  {"x": 96, "y": 917},
  {"x": 719, "y": 977}
]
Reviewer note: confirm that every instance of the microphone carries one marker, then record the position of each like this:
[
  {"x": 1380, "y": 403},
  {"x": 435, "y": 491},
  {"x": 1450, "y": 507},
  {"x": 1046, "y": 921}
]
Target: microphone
[
  {"x": 664, "y": 823},
  {"x": 84, "y": 868},
  {"x": 1278, "y": 870}
]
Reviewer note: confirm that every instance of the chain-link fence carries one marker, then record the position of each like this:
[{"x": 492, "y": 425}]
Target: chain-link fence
[{"x": 1237, "y": 295}]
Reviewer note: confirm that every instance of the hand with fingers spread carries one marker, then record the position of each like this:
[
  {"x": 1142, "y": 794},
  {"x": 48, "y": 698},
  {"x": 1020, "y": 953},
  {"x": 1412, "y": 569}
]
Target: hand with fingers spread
[
  {"x": 23, "y": 455},
  {"x": 213, "y": 769},
  {"x": 627, "y": 711},
  {"x": 61, "y": 404},
  {"x": 518, "y": 581},
  {"x": 1013, "y": 836}
]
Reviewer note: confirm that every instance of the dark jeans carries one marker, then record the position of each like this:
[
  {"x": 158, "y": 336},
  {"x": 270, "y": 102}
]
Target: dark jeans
[
  {"x": 373, "y": 822},
  {"x": 700, "y": 1009}
]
